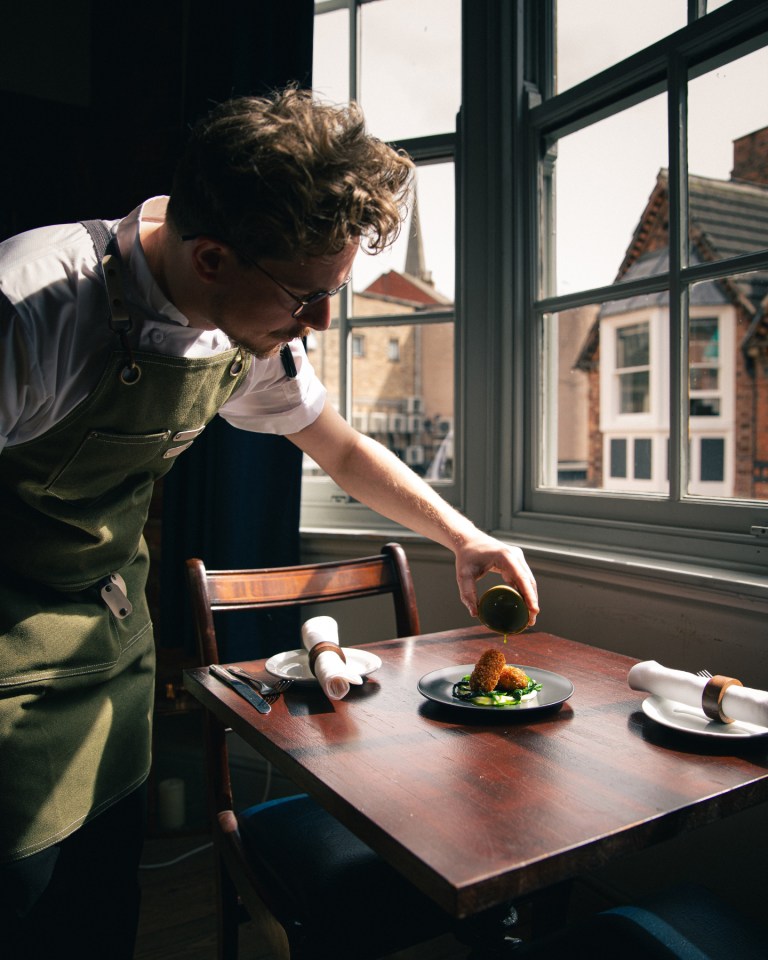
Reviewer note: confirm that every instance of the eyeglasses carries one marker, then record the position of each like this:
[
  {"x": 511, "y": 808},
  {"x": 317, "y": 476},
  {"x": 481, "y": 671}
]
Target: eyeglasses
[{"x": 303, "y": 301}]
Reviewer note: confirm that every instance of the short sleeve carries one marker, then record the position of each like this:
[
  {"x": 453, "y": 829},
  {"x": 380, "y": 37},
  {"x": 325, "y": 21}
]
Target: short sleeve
[{"x": 271, "y": 402}]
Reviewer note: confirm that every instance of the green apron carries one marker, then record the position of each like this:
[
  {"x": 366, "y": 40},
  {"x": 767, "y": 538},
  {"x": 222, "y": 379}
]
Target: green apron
[{"x": 76, "y": 675}]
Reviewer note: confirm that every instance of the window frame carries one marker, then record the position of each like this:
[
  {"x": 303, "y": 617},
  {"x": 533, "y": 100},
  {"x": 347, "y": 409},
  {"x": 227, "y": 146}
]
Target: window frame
[
  {"x": 324, "y": 504},
  {"x": 508, "y": 113},
  {"x": 710, "y": 530}
]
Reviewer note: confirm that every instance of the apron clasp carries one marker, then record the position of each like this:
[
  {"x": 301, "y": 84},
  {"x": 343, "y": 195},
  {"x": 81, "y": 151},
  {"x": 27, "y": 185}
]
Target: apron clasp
[{"x": 113, "y": 593}]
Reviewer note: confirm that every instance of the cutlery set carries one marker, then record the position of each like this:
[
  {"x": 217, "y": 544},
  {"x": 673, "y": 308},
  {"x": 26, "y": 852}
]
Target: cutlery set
[{"x": 250, "y": 688}]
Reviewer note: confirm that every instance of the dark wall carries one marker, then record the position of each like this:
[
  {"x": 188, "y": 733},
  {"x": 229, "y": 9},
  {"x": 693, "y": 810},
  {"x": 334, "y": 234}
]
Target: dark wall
[
  {"x": 95, "y": 102},
  {"x": 95, "y": 98}
]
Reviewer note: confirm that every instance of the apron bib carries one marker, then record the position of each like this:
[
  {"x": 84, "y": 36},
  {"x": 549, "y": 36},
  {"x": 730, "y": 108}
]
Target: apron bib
[{"x": 77, "y": 673}]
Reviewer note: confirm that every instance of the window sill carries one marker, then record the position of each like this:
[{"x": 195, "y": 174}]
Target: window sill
[{"x": 671, "y": 576}]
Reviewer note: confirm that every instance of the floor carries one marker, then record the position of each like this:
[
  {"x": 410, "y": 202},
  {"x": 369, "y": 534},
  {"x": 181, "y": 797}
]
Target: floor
[{"x": 178, "y": 915}]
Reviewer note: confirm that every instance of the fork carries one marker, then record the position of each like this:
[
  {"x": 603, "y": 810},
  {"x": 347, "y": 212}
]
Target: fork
[
  {"x": 269, "y": 692},
  {"x": 704, "y": 673}
]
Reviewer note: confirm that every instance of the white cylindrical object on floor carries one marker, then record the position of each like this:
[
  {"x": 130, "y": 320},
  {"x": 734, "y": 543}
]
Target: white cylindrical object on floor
[{"x": 171, "y": 803}]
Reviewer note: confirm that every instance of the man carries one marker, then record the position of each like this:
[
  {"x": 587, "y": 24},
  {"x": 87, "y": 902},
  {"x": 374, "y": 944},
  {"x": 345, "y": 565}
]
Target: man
[{"x": 269, "y": 206}]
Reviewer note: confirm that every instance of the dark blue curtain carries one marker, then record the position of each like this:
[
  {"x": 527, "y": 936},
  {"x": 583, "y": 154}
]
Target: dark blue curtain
[
  {"x": 233, "y": 501},
  {"x": 233, "y": 498}
]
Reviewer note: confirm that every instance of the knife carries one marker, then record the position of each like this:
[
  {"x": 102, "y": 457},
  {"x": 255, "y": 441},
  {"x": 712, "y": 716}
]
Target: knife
[{"x": 246, "y": 692}]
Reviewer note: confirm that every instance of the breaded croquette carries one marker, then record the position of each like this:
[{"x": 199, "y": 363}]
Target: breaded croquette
[
  {"x": 487, "y": 671},
  {"x": 512, "y": 678}
]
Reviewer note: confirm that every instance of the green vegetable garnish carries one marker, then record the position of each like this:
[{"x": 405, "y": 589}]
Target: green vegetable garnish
[{"x": 493, "y": 698}]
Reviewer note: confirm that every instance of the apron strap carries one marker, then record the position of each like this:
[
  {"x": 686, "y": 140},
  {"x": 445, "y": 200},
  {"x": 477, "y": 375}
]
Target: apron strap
[
  {"x": 108, "y": 256},
  {"x": 100, "y": 236}
]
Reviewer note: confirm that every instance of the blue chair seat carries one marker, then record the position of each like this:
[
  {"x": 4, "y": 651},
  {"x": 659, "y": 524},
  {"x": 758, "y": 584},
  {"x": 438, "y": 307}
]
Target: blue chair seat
[
  {"x": 317, "y": 869},
  {"x": 685, "y": 923}
]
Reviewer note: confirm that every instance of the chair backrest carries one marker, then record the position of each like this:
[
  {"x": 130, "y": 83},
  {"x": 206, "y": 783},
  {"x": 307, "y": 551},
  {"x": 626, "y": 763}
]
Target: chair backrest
[{"x": 260, "y": 589}]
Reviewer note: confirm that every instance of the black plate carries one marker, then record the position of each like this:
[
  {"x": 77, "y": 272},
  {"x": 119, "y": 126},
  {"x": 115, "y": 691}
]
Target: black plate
[{"x": 438, "y": 687}]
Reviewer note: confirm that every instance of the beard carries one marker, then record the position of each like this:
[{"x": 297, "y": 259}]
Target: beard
[{"x": 262, "y": 352}]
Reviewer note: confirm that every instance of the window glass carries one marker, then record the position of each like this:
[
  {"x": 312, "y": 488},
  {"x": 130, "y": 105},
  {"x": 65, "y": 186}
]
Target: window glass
[
  {"x": 648, "y": 372},
  {"x": 712, "y": 460},
  {"x": 728, "y": 159},
  {"x": 408, "y": 405},
  {"x": 425, "y": 248},
  {"x": 595, "y": 34},
  {"x": 410, "y": 67},
  {"x": 569, "y": 340},
  {"x": 618, "y": 457},
  {"x": 643, "y": 459},
  {"x": 606, "y": 175},
  {"x": 330, "y": 63},
  {"x": 704, "y": 366},
  {"x": 632, "y": 368},
  {"x": 727, "y": 386},
  {"x": 388, "y": 359},
  {"x": 606, "y": 372}
]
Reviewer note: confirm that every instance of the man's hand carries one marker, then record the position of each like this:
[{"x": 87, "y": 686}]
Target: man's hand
[{"x": 480, "y": 554}]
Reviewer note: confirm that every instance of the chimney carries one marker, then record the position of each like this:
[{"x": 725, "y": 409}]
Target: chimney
[{"x": 750, "y": 158}]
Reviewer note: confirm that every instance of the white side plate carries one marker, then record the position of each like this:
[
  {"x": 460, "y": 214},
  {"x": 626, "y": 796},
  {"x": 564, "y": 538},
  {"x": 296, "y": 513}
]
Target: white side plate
[
  {"x": 678, "y": 716},
  {"x": 294, "y": 664}
]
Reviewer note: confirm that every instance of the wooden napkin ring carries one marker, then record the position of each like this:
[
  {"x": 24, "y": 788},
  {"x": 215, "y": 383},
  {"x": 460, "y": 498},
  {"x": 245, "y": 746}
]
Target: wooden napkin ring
[
  {"x": 324, "y": 647},
  {"x": 712, "y": 697}
]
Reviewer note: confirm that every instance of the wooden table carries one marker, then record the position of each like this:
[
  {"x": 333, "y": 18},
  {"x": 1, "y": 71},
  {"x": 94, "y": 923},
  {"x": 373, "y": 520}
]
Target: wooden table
[{"x": 480, "y": 810}]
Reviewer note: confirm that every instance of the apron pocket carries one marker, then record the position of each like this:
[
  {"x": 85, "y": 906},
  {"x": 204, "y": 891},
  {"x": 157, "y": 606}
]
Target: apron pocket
[{"x": 118, "y": 455}]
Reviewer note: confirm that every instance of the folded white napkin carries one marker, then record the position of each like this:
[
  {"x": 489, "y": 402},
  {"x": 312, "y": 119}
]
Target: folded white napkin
[
  {"x": 739, "y": 703},
  {"x": 332, "y": 673}
]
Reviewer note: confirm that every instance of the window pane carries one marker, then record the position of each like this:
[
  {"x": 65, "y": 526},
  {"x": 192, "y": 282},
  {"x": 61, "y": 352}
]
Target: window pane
[
  {"x": 330, "y": 56},
  {"x": 632, "y": 346},
  {"x": 410, "y": 76},
  {"x": 703, "y": 380},
  {"x": 605, "y": 175},
  {"x": 633, "y": 389},
  {"x": 408, "y": 405},
  {"x": 618, "y": 458},
  {"x": 703, "y": 346},
  {"x": 728, "y": 159},
  {"x": 643, "y": 459},
  {"x": 595, "y": 34},
  {"x": 728, "y": 388},
  {"x": 423, "y": 254},
  {"x": 606, "y": 424},
  {"x": 566, "y": 336},
  {"x": 712, "y": 460}
]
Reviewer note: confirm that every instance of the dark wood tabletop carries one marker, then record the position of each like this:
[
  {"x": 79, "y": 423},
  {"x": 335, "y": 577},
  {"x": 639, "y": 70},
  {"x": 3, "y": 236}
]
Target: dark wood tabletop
[{"x": 479, "y": 808}]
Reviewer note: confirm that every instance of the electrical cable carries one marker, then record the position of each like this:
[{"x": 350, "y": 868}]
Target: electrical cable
[{"x": 170, "y": 863}]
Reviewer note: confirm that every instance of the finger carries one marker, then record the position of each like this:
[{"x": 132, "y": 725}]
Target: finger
[
  {"x": 468, "y": 592},
  {"x": 526, "y": 585}
]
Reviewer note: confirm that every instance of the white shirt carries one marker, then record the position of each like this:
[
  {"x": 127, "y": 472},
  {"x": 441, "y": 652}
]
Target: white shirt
[{"x": 53, "y": 348}]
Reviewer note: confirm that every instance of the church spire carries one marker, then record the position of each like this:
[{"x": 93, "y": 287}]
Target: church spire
[{"x": 414, "y": 257}]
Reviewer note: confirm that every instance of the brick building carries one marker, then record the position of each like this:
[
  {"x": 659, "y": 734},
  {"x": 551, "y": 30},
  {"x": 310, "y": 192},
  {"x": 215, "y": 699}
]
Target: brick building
[
  {"x": 626, "y": 352},
  {"x": 401, "y": 375}
]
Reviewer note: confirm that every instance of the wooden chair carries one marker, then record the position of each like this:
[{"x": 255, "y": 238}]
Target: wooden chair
[{"x": 291, "y": 864}]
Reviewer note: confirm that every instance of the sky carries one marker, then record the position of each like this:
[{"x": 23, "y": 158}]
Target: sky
[
  {"x": 410, "y": 85},
  {"x": 607, "y": 172}
]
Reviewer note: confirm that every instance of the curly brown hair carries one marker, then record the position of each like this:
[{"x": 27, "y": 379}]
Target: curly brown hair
[{"x": 287, "y": 176}]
